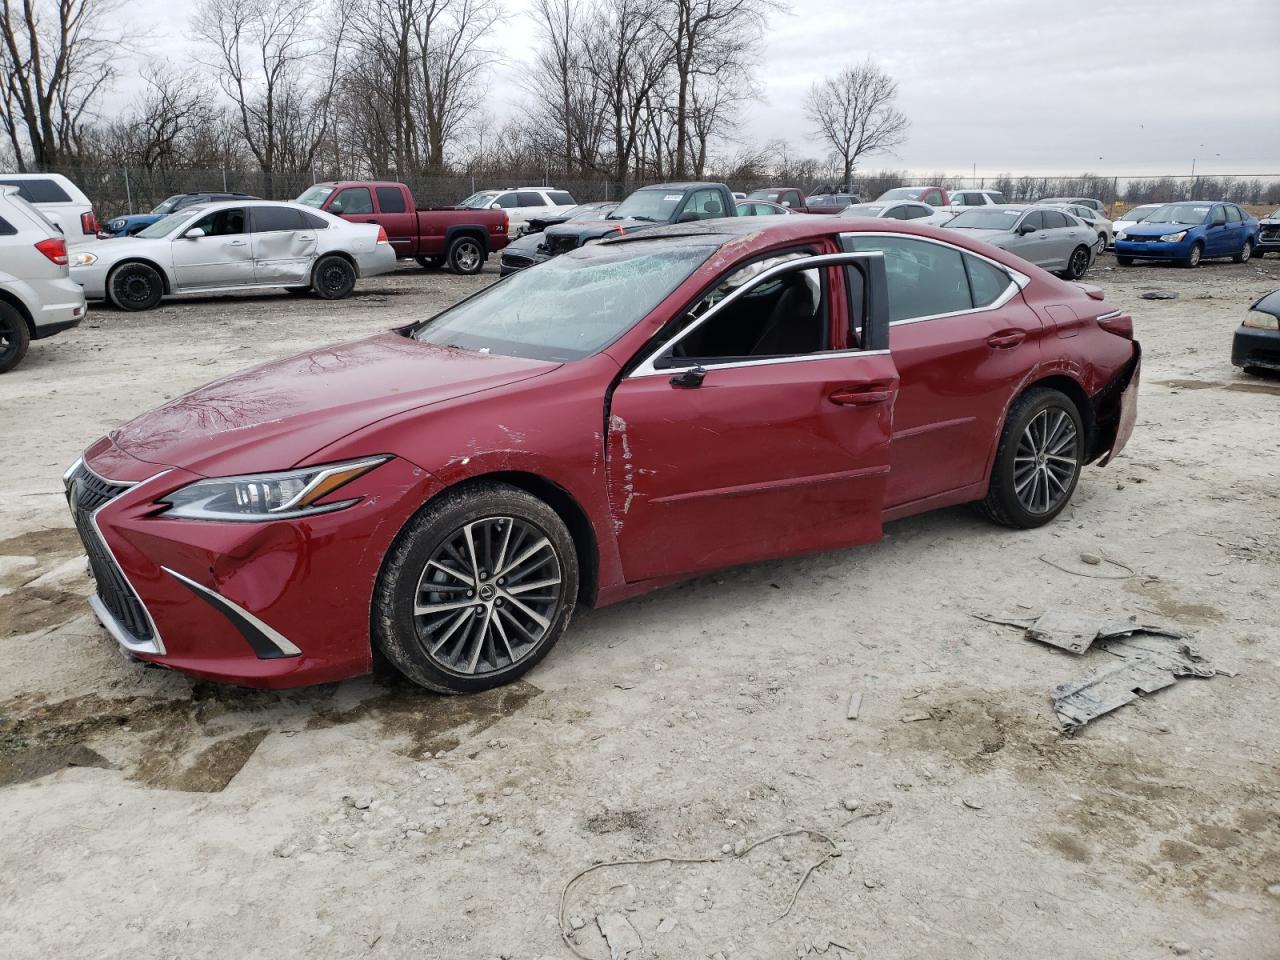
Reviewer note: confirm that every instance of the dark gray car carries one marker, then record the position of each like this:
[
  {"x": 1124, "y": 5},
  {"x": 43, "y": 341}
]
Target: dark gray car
[{"x": 1049, "y": 238}]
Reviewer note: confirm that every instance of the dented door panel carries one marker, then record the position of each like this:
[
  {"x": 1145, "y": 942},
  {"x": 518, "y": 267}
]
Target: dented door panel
[
  {"x": 283, "y": 255},
  {"x": 762, "y": 460}
]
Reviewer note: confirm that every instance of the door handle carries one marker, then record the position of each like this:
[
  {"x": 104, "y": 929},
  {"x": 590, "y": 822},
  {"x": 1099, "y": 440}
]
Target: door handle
[
  {"x": 1006, "y": 339},
  {"x": 235, "y": 243},
  {"x": 306, "y": 238},
  {"x": 861, "y": 396}
]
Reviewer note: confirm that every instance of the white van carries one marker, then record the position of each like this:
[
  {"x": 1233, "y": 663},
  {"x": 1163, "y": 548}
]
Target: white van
[{"x": 58, "y": 199}]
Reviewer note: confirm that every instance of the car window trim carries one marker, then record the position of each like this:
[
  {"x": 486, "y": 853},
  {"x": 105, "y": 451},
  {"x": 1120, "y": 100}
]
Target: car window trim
[
  {"x": 648, "y": 368},
  {"x": 1020, "y": 280}
]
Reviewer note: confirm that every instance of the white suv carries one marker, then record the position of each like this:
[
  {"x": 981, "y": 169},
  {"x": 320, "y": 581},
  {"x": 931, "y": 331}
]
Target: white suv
[
  {"x": 37, "y": 297},
  {"x": 58, "y": 199},
  {"x": 522, "y": 204}
]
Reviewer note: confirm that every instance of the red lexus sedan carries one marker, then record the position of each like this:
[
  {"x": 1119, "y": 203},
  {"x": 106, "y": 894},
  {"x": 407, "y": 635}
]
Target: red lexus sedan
[{"x": 633, "y": 412}]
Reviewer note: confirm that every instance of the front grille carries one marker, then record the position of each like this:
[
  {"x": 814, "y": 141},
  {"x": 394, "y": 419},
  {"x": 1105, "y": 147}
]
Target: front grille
[
  {"x": 515, "y": 261},
  {"x": 1142, "y": 239},
  {"x": 86, "y": 492},
  {"x": 1271, "y": 233}
]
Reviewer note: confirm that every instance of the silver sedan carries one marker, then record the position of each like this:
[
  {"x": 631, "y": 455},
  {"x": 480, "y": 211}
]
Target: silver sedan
[
  {"x": 1048, "y": 237},
  {"x": 233, "y": 245},
  {"x": 916, "y": 210}
]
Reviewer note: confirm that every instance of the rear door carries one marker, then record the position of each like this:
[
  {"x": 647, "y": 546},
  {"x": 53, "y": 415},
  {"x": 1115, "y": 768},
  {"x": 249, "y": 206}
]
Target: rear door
[
  {"x": 1064, "y": 234},
  {"x": 397, "y": 218},
  {"x": 1218, "y": 236},
  {"x": 284, "y": 245},
  {"x": 223, "y": 257},
  {"x": 962, "y": 339},
  {"x": 761, "y": 428}
]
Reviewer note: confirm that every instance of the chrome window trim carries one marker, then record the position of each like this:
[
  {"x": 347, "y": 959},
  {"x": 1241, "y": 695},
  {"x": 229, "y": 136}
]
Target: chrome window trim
[
  {"x": 648, "y": 369},
  {"x": 1020, "y": 280}
]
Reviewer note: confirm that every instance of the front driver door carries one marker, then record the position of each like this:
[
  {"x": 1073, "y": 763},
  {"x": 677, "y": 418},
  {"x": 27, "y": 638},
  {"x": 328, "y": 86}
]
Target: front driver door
[
  {"x": 714, "y": 461},
  {"x": 223, "y": 257}
]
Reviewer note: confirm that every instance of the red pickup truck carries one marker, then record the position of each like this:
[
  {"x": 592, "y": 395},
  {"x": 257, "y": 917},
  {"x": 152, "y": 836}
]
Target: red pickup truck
[{"x": 448, "y": 236}]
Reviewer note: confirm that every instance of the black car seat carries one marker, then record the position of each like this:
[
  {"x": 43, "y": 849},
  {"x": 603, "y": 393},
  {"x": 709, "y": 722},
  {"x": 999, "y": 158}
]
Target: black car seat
[{"x": 794, "y": 325}]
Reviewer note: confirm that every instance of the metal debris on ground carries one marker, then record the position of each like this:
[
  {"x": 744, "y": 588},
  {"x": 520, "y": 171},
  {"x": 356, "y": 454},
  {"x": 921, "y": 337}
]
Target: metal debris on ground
[
  {"x": 1075, "y": 632},
  {"x": 1150, "y": 662},
  {"x": 1160, "y": 295}
]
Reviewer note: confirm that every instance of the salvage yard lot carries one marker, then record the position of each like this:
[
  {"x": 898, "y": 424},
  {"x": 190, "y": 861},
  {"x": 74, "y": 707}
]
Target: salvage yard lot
[{"x": 146, "y": 814}]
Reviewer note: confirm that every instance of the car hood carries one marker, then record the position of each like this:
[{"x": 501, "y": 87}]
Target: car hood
[
  {"x": 1145, "y": 229},
  {"x": 274, "y": 416},
  {"x": 599, "y": 228}
]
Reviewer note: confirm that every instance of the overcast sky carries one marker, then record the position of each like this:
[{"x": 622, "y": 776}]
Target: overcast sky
[{"x": 1023, "y": 86}]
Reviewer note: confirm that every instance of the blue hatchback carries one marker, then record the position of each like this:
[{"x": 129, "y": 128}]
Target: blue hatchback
[
  {"x": 1189, "y": 231},
  {"x": 128, "y": 225}
]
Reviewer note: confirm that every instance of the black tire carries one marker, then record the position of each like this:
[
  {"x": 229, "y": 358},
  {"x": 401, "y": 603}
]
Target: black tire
[
  {"x": 1124, "y": 261},
  {"x": 1078, "y": 263},
  {"x": 1265, "y": 372},
  {"x": 333, "y": 278},
  {"x": 135, "y": 286},
  {"x": 404, "y": 637},
  {"x": 298, "y": 291},
  {"x": 1195, "y": 256},
  {"x": 430, "y": 263},
  {"x": 466, "y": 255},
  {"x": 1004, "y": 503},
  {"x": 1246, "y": 252},
  {"x": 1101, "y": 248},
  {"x": 15, "y": 337}
]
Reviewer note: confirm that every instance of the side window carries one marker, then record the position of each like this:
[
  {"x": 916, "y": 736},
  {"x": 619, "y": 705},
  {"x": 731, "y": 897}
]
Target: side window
[
  {"x": 390, "y": 199},
  {"x": 933, "y": 197},
  {"x": 7, "y": 229},
  {"x": 1218, "y": 216},
  {"x": 352, "y": 200},
  {"x": 986, "y": 282},
  {"x": 506, "y": 201},
  {"x": 914, "y": 212},
  {"x": 1055, "y": 220},
  {"x": 781, "y": 317},
  {"x": 313, "y": 222},
  {"x": 791, "y": 198},
  {"x": 527, "y": 198},
  {"x": 1233, "y": 214},
  {"x": 272, "y": 219},
  {"x": 704, "y": 205},
  {"x": 560, "y": 198},
  {"x": 221, "y": 223},
  {"x": 1034, "y": 220},
  {"x": 38, "y": 191},
  {"x": 963, "y": 200},
  {"x": 896, "y": 213},
  {"x": 925, "y": 279}
]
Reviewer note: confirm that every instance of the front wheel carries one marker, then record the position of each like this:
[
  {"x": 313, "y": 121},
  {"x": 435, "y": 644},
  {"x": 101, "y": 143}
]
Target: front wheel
[
  {"x": 466, "y": 256},
  {"x": 1077, "y": 264},
  {"x": 1125, "y": 261},
  {"x": 1038, "y": 462},
  {"x": 1246, "y": 252},
  {"x": 333, "y": 278},
  {"x": 477, "y": 588},
  {"x": 135, "y": 286},
  {"x": 14, "y": 338},
  {"x": 1193, "y": 258}
]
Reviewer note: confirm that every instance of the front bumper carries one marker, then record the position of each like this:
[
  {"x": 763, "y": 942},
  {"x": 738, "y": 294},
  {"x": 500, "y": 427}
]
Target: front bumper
[
  {"x": 1268, "y": 240},
  {"x": 1153, "y": 250},
  {"x": 278, "y": 604},
  {"x": 1251, "y": 347}
]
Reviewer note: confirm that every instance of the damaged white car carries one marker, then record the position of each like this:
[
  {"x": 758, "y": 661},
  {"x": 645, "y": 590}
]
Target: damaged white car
[{"x": 220, "y": 247}]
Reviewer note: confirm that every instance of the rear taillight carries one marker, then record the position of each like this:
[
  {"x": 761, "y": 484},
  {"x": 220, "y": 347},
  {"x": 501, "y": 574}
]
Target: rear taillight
[
  {"x": 382, "y": 235},
  {"x": 89, "y": 223},
  {"x": 55, "y": 248},
  {"x": 1119, "y": 323}
]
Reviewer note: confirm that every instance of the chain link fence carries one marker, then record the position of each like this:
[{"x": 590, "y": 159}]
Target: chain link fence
[{"x": 118, "y": 190}]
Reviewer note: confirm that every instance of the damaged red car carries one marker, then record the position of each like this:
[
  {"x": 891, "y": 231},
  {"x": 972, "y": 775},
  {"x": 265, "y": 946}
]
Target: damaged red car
[{"x": 630, "y": 413}]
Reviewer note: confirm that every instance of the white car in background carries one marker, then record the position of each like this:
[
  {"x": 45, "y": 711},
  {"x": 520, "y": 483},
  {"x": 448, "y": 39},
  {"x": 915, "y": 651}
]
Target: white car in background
[
  {"x": 965, "y": 198},
  {"x": 1132, "y": 218},
  {"x": 916, "y": 210},
  {"x": 233, "y": 245},
  {"x": 37, "y": 297},
  {"x": 522, "y": 204},
  {"x": 58, "y": 199},
  {"x": 1101, "y": 225}
]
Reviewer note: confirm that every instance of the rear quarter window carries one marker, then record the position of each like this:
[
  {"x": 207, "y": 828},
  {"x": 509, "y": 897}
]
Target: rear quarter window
[
  {"x": 560, "y": 198},
  {"x": 6, "y": 228},
  {"x": 38, "y": 191}
]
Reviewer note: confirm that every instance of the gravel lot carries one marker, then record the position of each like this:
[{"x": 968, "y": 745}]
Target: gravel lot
[{"x": 148, "y": 816}]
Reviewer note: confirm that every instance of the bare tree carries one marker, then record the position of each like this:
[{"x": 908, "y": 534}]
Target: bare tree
[
  {"x": 56, "y": 58},
  {"x": 277, "y": 60},
  {"x": 169, "y": 126},
  {"x": 854, "y": 113}
]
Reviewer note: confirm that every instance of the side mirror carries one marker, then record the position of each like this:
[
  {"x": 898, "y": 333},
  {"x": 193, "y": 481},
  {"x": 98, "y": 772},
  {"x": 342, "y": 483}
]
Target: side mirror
[
  {"x": 495, "y": 206},
  {"x": 688, "y": 217},
  {"x": 1026, "y": 228},
  {"x": 195, "y": 233},
  {"x": 786, "y": 203}
]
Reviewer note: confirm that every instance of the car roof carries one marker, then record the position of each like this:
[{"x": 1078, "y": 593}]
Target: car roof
[{"x": 685, "y": 185}]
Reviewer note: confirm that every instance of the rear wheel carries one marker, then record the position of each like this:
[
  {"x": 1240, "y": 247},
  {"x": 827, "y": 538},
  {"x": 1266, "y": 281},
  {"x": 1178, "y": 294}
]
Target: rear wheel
[
  {"x": 14, "y": 337},
  {"x": 1246, "y": 252},
  {"x": 477, "y": 588},
  {"x": 135, "y": 286},
  {"x": 333, "y": 278},
  {"x": 1038, "y": 462},
  {"x": 466, "y": 256},
  {"x": 1077, "y": 264},
  {"x": 1193, "y": 258}
]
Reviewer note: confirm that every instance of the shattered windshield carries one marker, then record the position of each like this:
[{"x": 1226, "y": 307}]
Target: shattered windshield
[
  {"x": 478, "y": 201},
  {"x": 572, "y": 306}
]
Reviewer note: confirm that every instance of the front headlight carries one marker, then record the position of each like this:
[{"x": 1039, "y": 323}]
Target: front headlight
[
  {"x": 267, "y": 496},
  {"x": 1120, "y": 235},
  {"x": 83, "y": 259},
  {"x": 1174, "y": 237},
  {"x": 1261, "y": 321}
]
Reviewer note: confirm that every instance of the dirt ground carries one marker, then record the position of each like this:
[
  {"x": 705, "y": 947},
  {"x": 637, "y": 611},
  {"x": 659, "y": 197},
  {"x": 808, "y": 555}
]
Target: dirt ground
[{"x": 144, "y": 815}]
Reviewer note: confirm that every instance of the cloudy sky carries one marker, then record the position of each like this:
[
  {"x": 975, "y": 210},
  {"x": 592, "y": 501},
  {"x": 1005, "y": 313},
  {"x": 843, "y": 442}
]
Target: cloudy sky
[{"x": 1023, "y": 86}]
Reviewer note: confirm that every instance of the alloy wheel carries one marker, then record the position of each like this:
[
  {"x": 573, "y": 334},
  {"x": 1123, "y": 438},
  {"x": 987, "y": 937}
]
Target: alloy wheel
[
  {"x": 1194, "y": 258},
  {"x": 1246, "y": 252},
  {"x": 467, "y": 257},
  {"x": 1046, "y": 461},
  {"x": 1079, "y": 263},
  {"x": 488, "y": 595}
]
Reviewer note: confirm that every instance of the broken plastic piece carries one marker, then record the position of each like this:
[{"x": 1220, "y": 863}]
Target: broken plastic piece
[{"x": 1075, "y": 632}]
